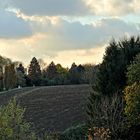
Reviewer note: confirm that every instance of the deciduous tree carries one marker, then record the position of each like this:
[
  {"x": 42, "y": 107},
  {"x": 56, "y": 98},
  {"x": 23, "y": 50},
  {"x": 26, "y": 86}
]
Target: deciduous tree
[
  {"x": 10, "y": 78},
  {"x": 20, "y": 71}
]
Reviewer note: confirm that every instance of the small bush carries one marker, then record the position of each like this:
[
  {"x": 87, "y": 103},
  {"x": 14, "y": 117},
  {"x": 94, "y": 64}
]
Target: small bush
[
  {"x": 132, "y": 109},
  {"x": 12, "y": 124},
  {"x": 75, "y": 133},
  {"x": 107, "y": 112},
  {"x": 132, "y": 98}
]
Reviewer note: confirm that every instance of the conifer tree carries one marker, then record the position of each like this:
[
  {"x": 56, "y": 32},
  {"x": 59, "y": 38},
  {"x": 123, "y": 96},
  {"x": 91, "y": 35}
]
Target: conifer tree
[
  {"x": 112, "y": 71},
  {"x": 51, "y": 71},
  {"x": 73, "y": 74},
  {"x": 34, "y": 72}
]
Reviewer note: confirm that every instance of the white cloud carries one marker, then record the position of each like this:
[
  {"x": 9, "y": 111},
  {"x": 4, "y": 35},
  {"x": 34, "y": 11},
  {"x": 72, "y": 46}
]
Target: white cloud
[
  {"x": 114, "y": 7},
  {"x": 66, "y": 58},
  {"x": 25, "y": 52},
  {"x": 15, "y": 50}
]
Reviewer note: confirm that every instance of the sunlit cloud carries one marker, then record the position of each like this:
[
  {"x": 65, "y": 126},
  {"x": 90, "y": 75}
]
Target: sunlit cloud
[
  {"x": 66, "y": 58},
  {"x": 113, "y": 7},
  {"x": 54, "y": 30}
]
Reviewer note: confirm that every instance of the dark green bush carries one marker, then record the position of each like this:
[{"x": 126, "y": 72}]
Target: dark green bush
[{"x": 78, "y": 132}]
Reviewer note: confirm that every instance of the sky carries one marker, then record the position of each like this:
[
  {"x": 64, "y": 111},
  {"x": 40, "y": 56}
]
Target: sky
[{"x": 64, "y": 31}]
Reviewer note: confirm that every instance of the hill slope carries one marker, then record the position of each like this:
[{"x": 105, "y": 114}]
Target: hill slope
[{"x": 51, "y": 109}]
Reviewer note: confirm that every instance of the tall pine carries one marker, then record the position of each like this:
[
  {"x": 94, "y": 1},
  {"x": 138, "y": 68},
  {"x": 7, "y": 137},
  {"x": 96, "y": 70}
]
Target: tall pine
[
  {"x": 73, "y": 74},
  {"x": 52, "y": 71},
  {"x": 34, "y": 72}
]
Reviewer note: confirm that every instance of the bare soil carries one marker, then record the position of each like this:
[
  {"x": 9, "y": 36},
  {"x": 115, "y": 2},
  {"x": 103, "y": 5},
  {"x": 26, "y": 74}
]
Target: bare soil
[{"x": 53, "y": 108}]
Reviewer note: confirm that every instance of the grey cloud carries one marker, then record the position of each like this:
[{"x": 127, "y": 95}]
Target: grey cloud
[
  {"x": 51, "y": 7},
  {"x": 116, "y": 27},
  {"x": 13, "y": 27},
  {"x": 76, "y": 7},
  {"x": 71, "y": 36},
  {"x": 52, "y": 39}
]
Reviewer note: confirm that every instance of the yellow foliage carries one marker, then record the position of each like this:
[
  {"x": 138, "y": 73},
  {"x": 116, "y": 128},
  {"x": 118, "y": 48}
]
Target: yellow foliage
[{"x": 132, "y": 98}]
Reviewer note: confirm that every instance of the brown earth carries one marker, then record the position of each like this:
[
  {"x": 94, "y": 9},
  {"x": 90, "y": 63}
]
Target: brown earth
[{"x": 51, "y": 109}]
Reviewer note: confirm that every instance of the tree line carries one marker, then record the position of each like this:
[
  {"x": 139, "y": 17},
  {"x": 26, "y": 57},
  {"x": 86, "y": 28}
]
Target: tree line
[{"x": 14, "y": 74}]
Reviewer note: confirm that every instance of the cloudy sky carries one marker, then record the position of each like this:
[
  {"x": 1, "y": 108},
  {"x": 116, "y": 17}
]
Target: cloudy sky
[{"x": 64, "y": 31}]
